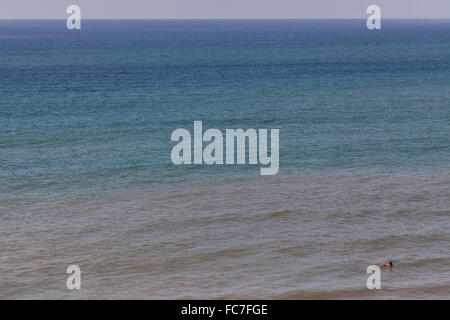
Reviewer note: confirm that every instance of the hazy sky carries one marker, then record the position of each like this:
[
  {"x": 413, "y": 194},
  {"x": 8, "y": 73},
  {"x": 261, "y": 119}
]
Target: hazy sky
[{"x": 56, "y": 9}]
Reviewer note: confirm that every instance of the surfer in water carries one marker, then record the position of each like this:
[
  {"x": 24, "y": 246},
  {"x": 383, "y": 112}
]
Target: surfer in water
[{"x": 390, "y": 264}]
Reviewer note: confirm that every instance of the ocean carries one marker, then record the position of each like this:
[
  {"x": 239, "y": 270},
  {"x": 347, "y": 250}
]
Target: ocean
[{"x": 86, "y": 118}]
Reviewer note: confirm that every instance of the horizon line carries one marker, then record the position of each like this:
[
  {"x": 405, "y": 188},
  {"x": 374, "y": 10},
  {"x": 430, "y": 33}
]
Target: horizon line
[{"x": 448, "y": 18}]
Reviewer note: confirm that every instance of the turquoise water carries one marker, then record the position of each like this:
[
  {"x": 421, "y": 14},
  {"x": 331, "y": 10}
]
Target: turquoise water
[
  {"x": 95, "y": 108},
  {"x": 86, "y": 175}
]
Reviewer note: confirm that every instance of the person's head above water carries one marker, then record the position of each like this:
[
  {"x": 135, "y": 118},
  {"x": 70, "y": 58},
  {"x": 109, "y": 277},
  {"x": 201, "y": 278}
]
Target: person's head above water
[{"x": 390, "y": 264}]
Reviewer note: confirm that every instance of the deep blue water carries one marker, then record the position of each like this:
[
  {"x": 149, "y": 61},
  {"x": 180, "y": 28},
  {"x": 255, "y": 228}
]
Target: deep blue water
[{"x": 94, "y": 109}]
